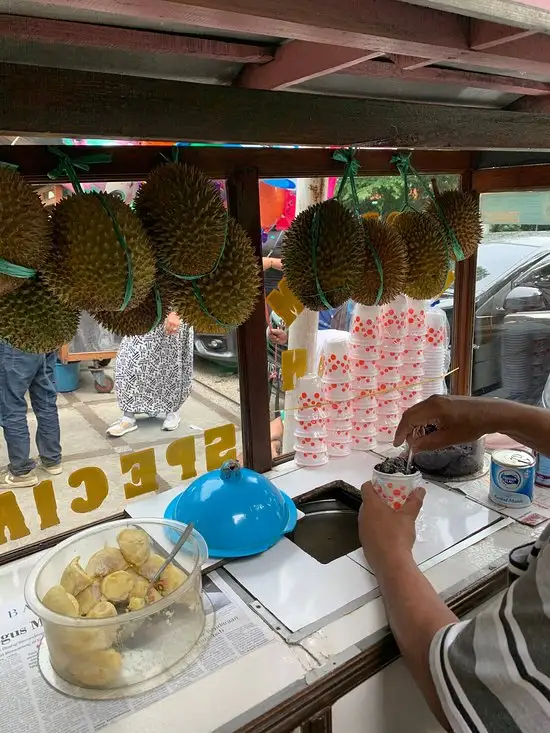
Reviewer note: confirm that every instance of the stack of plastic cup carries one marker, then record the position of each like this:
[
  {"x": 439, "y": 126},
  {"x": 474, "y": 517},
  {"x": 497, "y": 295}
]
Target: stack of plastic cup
[
  {"x": 364, "y": 351},
  {"x": 310, "y": 434},
  {"x": 337, "y": 394},
  {"x": 436, "y": 353},
  {"x": 412, "y": 372},
  {"x": 390, "y": 364}
]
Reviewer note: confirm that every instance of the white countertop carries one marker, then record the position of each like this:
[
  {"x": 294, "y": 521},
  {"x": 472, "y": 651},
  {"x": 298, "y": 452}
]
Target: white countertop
[{"x": 246, "y": 688}]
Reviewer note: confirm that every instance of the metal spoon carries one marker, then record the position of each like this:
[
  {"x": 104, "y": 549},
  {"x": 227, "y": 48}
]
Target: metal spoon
[
  {"x": 409, "y": 461},
  {"x": 177, "y": 547}
]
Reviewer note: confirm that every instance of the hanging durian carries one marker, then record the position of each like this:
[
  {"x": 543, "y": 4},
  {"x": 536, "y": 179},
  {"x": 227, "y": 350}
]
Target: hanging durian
[
  {"x": 392, "y": 216},
  {"x": 392, "y": 254},
  {"x": 25, "y": 232},
  {"x": 370, "y": 215},
  {"x": 339, "y": 255},
  {"x": 89, "y": 267},
  {"x": 135, "y": 321},
  {"x": 426, "y": 252},
  {"x": 460, "y": 210},
  {"x": 226, "y": 297},
  {"x": 184, "y": 216},
  {"x": 32, "y": 319}
]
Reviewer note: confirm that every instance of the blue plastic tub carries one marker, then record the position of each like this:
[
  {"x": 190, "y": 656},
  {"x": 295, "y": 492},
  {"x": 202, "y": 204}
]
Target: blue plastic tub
[{"x": 67, "y": 376}]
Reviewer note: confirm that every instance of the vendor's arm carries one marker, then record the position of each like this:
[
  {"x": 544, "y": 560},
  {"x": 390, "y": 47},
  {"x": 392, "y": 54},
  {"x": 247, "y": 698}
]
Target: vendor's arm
[
  {"x": 486, "y": 675},
  {"x": 272, "y": 263},
  {"x": 276, "y": 429},
  {"x": 463, "y": 419}
]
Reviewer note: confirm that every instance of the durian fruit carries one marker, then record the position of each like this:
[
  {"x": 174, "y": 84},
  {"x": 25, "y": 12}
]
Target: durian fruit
[
  {"x": 392, "y": 253},
  {"x": 135, "y": 545},
  {"x": 96, "y": 669},
  {"x": 25, "y": 231},
  {"x": 392, "y": 216},
  {"x": 58, "y": 600},
  {"x": 427, "y": 254},
  {"x": 184, "y": 216},
  {"x": 105, "y": 561},
  {"x": 225, "y": 298},
  {"x": 74, "y": 579},
  {"x": 88, "y": 269},
  {"x": 117, "y": 586},
  {"x": 33, "y": 320},
  {"x": 134, "y": 321},
  {"x": 461, "y": 212},
  {"x": 339, "y": 257},
  {"x": 370, "y": 215}
]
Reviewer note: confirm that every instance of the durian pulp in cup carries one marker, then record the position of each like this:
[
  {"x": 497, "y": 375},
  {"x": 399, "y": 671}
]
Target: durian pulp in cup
[{"x": 395, "y": 488}]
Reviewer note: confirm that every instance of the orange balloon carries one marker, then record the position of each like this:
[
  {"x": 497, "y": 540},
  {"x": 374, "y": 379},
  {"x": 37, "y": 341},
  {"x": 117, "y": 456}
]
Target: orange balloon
[{"x": 272, "y": 203}]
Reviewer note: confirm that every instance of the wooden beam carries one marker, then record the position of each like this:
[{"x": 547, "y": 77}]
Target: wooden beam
[
  {"x": 243, "y": 197},
  {"x": 84, "y": 104},
  {"x": 534, "y": 14},
  {"x": 514, "y": 178},
  {"x": 511, "y": 85},
  {"x": 484, "y": 35},
  {"x": 299, "y": 61},
  {"x": 135, "y": 163},
  {"x": 28, "y": 31}
]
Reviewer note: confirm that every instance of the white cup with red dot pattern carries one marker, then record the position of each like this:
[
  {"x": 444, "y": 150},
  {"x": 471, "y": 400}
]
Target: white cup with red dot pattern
[
  {"x": 363, "y": 429},
  {"x": 364, "y": 386},
  {"x": 310, "y": 458},
  {"x": 366, "y": 324},
  {"x": 368, "y": 402},
  {"x": 410, "y": 382},
  {"x": 337, "y": 391},
  {"x": 313, "y": 413},
  {"x": 308, "y": 392},
  {"x": 390, "y": 358},
  {"x": 338, "y": 450},
  {"x": 342, "y": 410},
  {"x": 364, "y": 443},
  {"x": 414, "y": 341},
  {"x": 363, "y": 350},
  {"x": 336, "y": 366},
  {"x": 413, "y": 369},
  {"x": 363, "y": 367},
  {"x": 388, "y": 374},
  {"x": 416, "y": 316},
  {"x": 309, "y": 443},
  {"x": 313, "y": 428},
  {"x": 395, "y": 488},
  {"x": 413, "y": 354},
  {"x": 368, "y": 415},
  {"x": 389, "y": 419},
  {"x": 388, "y": 406},
  {"x": 385, "y": 433},
  {"x": 393, "y": 318},
  {"x": 409, "y": 399}
]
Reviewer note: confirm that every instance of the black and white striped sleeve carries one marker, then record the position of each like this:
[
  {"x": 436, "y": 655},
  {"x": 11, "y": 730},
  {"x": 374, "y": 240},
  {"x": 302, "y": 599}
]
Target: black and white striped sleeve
[{"x": 492, "y": 673}]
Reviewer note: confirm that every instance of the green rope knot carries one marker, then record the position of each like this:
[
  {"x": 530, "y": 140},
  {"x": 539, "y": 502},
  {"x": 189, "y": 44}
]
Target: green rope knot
[
  {"x": 175, "y": 155},
  {"x": 68, "y": 166},
  {"x": 402, "y": 162},
  {"x": 347, "y": 156}
]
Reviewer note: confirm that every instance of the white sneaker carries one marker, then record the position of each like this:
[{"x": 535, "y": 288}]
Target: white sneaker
[
  {"x": 9, "y": 481},
  {"x": 52, "y": 470},
  {"x": 122, "y": 426},
  {"x": 171, "y": 421}
]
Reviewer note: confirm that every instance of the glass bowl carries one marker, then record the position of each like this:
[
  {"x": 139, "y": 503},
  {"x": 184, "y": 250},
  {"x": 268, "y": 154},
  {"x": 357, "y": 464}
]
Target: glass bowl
[{"x": 123, "y": 651}]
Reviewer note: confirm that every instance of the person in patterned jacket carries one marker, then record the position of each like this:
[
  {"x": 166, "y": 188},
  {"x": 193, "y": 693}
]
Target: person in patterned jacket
[{"x": 490, "y": 674}]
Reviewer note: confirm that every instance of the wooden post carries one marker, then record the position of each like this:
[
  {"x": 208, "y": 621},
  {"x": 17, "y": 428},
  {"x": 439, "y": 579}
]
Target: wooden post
[
  {"x": 464, "y": 312},
  {"x": 321, "y": 723},
  {"x": 302, "y": 334},
  {"x": 243, "y": 195}
]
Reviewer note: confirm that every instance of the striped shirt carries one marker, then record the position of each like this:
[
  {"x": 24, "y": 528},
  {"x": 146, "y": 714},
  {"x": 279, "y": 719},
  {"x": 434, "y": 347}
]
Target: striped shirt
[{"x": 492, "y": 673}]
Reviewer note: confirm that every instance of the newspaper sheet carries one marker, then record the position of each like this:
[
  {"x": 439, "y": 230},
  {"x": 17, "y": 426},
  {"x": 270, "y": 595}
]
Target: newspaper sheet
[{"x": 28, "y": 703}]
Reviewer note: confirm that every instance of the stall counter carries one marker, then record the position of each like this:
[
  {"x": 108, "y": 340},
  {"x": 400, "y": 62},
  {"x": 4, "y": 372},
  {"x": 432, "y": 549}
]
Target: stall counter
[{"x": 290, "y": 679}]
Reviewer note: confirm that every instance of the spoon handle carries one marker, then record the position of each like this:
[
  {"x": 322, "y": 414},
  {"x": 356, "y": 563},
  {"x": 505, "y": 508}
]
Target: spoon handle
[{"x": 177, "y": 547}]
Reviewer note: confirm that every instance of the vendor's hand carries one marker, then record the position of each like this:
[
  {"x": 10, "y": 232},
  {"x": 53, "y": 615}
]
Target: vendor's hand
[
  {"x": 385, "y": 532},
  {"x": 456, "y": 419},
  {"x": 172, "y": 323},
  {"x": 278, "y": 336}
]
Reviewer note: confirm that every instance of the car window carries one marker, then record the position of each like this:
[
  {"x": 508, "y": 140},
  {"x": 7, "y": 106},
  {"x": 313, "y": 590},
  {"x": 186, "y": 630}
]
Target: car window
[{"x": 495, "y": 261}]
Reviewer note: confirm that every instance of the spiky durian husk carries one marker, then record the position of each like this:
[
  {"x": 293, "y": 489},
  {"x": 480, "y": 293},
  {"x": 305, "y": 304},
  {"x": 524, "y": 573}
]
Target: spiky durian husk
[
  {"x": 340, "y": 248},
  {"x": 135, "y": 321},
  {"x": 392, "y": 253},
  {"x": 461, "y": 212},
  {"x": 88, "y": 268},
  {"x": 427, "y": 254},
  {"x": 25, "y": 231},
  {"x": 392, "y": 216},
  {"x": 229, "y": 294},
  {"x": 184, "y": 216},
  {"x": 32, "y": 319},
  {"x": 370, "y": 215}
]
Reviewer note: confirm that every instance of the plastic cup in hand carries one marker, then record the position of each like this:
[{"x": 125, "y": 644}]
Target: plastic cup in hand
[{"x": 395, "y": 488}]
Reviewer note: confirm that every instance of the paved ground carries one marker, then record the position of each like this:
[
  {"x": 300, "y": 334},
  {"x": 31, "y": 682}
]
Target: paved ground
[{"x": 85, "y": 415}]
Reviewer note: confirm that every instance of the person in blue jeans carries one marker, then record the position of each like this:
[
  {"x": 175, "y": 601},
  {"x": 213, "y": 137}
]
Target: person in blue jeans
[{"x": 22, "y": 372}]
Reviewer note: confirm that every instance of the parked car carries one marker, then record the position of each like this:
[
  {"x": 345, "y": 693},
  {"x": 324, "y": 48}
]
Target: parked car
[{"x": 513, "y": 279}]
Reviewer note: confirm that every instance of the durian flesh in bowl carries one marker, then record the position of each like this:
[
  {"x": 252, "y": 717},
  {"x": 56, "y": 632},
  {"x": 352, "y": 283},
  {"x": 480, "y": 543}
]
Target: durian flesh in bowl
[{"x": 103, "y": 627}]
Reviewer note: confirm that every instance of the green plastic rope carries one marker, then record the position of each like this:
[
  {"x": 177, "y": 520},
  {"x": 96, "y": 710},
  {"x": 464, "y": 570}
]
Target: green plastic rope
[
  {"x": 67, "y": 167},
  {"x": 347, "y": 156},
  {"x": 158, "y": 305},
  {"x": 403, "y": 164},
  {"x": 129, "y": 289},
  {"x": 200, "y": 300},
  {"x": 9, "y": 268}
]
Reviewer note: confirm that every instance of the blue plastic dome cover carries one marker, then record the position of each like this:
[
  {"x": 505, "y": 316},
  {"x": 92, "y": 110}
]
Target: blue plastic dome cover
[{"x": 238, "y": 511}]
